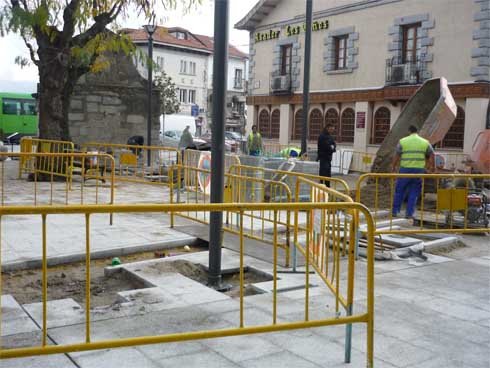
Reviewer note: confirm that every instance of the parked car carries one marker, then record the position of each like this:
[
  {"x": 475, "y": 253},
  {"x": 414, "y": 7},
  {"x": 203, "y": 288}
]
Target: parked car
[
  {"x": 239, "y": 139},
  {"x": 230, "y": 144},
  {"x": 13, "y": 138},
  {"x": 171, "y": 138}
]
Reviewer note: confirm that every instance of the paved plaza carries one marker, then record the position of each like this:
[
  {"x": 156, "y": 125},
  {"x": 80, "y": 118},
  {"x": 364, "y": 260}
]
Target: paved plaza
[{"x": 428, "y": 314}]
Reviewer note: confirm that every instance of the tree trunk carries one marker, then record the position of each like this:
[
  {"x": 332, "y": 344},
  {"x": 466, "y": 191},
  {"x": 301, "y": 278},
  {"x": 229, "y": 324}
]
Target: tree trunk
[{"x": 54, "y": 96}]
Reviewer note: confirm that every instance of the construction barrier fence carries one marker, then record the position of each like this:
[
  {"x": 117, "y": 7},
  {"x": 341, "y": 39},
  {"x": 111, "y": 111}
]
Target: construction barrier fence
[
  {"x": 290, "y": 178},
  {"x": 60, "y": 167},
  {"x": 446, "y": 203},
  {"x": 50, "y": 184},
  {"x": 131, "y": 161},
  {"x": 202, "y": 159},
  {"x": 193, "y": 185},
  {"x": 166, "y": 333},
  {"x": 357, "y": 161}
]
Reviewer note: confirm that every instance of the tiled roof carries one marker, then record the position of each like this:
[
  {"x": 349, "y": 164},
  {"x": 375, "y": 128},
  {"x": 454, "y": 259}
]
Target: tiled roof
[{"x": 195, "y": 41}]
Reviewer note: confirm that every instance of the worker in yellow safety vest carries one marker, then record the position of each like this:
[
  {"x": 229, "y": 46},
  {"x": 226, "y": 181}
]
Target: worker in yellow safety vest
[
  {"x": 414, "y": 155},
  {"x": 291, "y": 152},
  {"x": 254, "y": 142}
]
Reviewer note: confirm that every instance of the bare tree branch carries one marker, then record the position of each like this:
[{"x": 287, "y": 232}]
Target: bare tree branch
[
  {"x": 31, "y": 50},
  {"x": 69, "y": 19},
  {"x": 116, "y": 11},
  {"x": 101, "y": 21}
]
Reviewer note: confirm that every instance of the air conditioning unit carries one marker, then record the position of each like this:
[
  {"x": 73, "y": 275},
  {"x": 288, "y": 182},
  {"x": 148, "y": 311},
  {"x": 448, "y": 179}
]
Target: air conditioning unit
[
  {"x": 400, "y": 73},
  {"x": 281, "y": 83},
  {"x": 277, "y": 83}
]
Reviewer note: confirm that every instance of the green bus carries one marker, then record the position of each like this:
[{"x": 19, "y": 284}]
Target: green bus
[{"x": 18, "y": 114}]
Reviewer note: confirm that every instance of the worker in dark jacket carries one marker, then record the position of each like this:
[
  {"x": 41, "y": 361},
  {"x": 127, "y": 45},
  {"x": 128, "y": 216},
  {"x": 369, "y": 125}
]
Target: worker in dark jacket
[{"x": 326, "y": 148}]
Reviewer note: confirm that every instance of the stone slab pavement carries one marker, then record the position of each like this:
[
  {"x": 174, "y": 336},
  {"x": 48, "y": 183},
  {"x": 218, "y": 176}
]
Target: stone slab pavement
[
  {"x": 428, "y": 314},
  {"x": 432, "y": 314}
]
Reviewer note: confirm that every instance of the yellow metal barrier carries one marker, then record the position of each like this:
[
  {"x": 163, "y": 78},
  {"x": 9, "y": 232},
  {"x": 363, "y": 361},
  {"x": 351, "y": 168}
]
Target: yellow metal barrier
[
  {"x": 62, "y": 166},
  {"x": 194, "y": 158},
  {"x": 449, "y": 203},
  {"x": 192, "y": 185},
  {"x": 131, "y": 161},
  {"x": 365, "y": 315},
  {"x": 330, "y": 235},
  {"x": 288, "y": 177},
  {"x": 43, "y": 190},
  {"x": 360, "y": 162}
]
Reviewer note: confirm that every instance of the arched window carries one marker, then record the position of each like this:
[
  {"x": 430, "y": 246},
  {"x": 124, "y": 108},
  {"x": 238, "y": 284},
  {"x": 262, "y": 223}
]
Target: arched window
[
  {"x": 332, "y": 117},
  {"x": 298, "y": 125},
  {"x": 347, "y": 122},
  {"x": 316, "y": 122},
  {"x": 454, "y": 138},
  {"x": 381, "y": 125},
  {"x": 264, "y": 124},
  {"x": 275, "y": 124}
]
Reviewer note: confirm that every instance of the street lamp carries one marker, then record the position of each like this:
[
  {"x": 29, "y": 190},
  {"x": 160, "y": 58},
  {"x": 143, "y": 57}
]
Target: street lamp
[{"x": 150, "y": 29}]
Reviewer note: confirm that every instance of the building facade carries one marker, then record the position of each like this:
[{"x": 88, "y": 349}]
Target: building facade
[
  {"x": 188, "y": 59},
  {"x": 368, "y": 58}
]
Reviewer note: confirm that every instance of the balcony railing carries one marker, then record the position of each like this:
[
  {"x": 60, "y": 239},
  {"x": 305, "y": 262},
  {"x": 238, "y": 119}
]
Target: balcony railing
[
  {"x": 280, "y": 84},
  {"x": 400, "y": 71}
]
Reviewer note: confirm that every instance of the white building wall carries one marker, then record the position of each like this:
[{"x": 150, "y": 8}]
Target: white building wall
[
  {"x": 449, "y": 41},
  {"x": 233, "y": 63},
  {"x": 171, "y": 65}
]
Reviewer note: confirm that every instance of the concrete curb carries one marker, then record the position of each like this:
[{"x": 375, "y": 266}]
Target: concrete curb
[{"x": 98, "y": 254}]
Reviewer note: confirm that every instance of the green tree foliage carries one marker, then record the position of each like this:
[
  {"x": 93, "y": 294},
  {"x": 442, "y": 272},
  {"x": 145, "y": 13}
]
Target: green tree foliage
[
  {"x": 168, "y": 93},
  {"x": 68, "y": 38}
]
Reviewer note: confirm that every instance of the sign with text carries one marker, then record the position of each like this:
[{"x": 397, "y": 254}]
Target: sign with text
[
  {"x": 361, "y": 120},
  {"x": 290, "y": 30}
]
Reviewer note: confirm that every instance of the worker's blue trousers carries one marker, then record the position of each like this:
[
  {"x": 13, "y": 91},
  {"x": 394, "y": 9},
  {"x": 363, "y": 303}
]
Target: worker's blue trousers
[{"x": 407, "y": 188}]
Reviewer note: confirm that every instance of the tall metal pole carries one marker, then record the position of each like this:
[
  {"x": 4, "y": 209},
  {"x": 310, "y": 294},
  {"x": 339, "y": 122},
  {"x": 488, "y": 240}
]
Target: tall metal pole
[
  {"x": 220, "y": 61},
  {"x": 150, "y": 31},
  {"x": 306, "y": 76}
]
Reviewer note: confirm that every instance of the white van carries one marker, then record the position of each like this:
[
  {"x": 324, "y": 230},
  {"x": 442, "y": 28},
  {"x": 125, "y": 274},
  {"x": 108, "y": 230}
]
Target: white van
[{"x": 177, "y": 122}]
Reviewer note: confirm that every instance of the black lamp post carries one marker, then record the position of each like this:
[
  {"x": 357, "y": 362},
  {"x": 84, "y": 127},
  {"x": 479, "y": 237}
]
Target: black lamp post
[{"x": 150, "y": 29}]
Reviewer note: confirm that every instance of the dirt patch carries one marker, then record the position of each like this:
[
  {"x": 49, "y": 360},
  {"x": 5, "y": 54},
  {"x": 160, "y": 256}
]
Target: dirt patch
[
  {"x": 198, "y": 273},
  {"x": 68, "y": 281}
]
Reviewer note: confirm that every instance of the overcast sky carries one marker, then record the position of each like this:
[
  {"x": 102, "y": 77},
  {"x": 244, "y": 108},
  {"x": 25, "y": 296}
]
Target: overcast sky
[{"x": 13, "y": 78}]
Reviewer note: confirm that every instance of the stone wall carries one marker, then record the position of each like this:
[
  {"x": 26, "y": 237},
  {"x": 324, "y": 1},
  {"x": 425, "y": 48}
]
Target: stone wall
[{"x": 112, "y": 105}]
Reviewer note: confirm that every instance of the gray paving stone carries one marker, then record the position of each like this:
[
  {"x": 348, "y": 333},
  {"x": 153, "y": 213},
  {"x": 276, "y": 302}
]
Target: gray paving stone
[
  {"x": 458, "y": 352},
  {"x": 63, "y": 312},
  {"x": 121, "y": 358},
  {"x": 251, "y": 317},
  {"x": 441, "y": 362},
  {"x": 316, "y": 349},
  {"x": 46, "y": 361},
  {"x": 282, "y": 359},
  {"x": 458, "y": 310},
  {"x": 14, "y": 319},
  {"x": 158, "y": 352},
  {"x": 239, "y": 348},
  {"x": 395, "y": 351},
  {"x": 205, "y": 359},
  {"x": 155, "y": 298}
]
